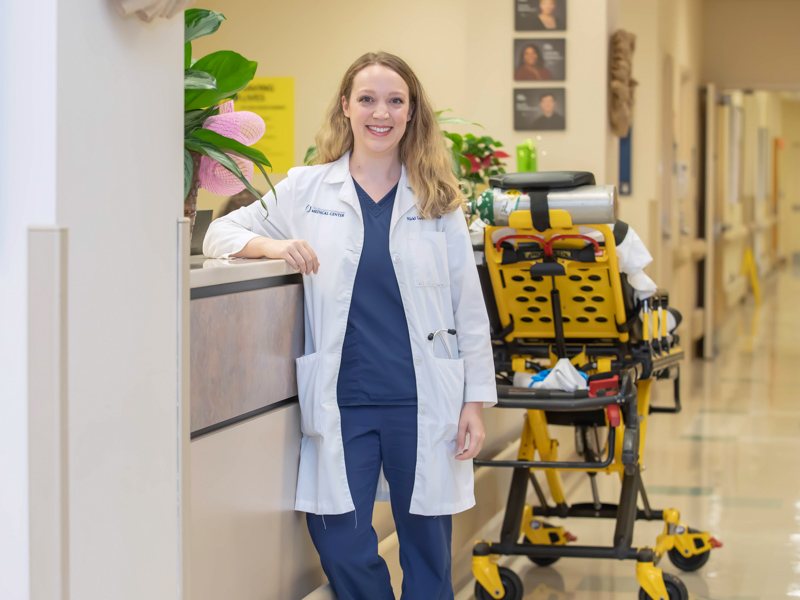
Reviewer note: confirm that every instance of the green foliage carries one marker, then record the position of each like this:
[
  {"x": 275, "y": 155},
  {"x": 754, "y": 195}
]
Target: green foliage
[
  {"x": 188, "y": 171},
  {"x": 198, "y": 80},
  {"x": 475, "y": 159},
  {"x": 208, "y": 82},
  {"x": 199, "y": 22},
  {"x": 232, "y": 72},
  {"x": 310, "y": 153}
]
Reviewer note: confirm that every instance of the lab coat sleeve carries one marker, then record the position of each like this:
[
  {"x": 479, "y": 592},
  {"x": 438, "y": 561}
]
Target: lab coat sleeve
[
  {"x": 469, "y": 309},
  {"x": 229, "y": 234}
]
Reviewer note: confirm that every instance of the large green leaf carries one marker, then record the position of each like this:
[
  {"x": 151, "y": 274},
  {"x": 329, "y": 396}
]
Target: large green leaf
[
  {"x": 456, "y": 120},
  {"x": 230, "y": 144},
  {"x": 232, "y": 72},
  {"x": 188, "y": 172},
  {"x": 238, "y": 149},
  {"x": 198, "y": 80},
  {"x": 212, "y": 151},
  {"x": 458, "y": 141},
  {"x": 187, "y": 55},
  {"x": 199, "y": 22}
]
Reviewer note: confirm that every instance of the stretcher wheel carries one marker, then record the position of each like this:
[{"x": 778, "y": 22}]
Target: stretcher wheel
[
  {"x": 675, "y": 589},
  {"x": 538, "y": 560},
  {"x": 689, "y": 563},
  {"x": 512, "y": 585}
]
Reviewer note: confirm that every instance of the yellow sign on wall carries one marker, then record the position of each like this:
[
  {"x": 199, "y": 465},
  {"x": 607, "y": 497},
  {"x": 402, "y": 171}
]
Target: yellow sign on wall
[{"x": 272, "y": 98}]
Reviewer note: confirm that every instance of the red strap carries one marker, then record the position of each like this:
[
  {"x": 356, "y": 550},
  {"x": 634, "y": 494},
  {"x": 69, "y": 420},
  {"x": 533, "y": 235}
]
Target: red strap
[
  {"x": 519, "y": 235},
  {"x": 586, "y": 238},
  {"x": 613, "y": 415}
]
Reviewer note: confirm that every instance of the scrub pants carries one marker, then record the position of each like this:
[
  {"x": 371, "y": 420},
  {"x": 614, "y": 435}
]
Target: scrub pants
[{"x": 348, "y": 545}]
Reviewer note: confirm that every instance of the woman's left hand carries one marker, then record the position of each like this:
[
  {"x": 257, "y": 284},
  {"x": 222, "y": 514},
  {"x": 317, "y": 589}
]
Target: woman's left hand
[{"x": 471, "y": 422}]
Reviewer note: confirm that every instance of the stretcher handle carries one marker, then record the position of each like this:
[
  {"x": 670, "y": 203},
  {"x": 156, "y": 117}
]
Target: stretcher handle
[
  {"x": 557, "y": 464},
  {"x": 548, "y": 244},
  {"x": 585, "y": 238},
  {"x": 508, "y": 400}
]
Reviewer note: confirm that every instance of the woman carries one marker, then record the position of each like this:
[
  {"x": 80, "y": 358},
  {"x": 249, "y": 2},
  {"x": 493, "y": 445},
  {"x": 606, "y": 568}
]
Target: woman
[
  {"x": 398, "y": 361},
  {"x": 529, "y": 67},
  {"x": 546, "y": 19}
]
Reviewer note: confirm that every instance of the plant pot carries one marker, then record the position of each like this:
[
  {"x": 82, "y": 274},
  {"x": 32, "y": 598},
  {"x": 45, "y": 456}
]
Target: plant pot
[{"x": 190, "y": 202}]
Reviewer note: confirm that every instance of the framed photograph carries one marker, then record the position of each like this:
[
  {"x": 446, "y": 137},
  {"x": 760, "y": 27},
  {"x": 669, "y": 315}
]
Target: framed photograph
[
  {"x": 541, "y": 109},
  {"x": 540, "y": 59},
  {"x": 540, "y": 15}
]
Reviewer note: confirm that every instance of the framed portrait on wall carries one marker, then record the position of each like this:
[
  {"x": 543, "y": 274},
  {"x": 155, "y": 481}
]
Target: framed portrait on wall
[
  {"x": 541, "y": 109},
  {"x": 540, "y": 15},
  {"x": 540, "y": 59}
]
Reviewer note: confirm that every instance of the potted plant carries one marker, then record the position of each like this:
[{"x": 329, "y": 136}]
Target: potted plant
[
  {"x": 209, "y": 84},
  {"x": 477, "y": 158}
]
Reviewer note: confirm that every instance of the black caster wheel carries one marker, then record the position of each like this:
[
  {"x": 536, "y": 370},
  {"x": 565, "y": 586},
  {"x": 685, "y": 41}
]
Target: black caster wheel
[
  {"x": 512, "y": 585},
  {"x": 688, "y": 563},
  {"x": 675, "y": 589},
  {"x": 538, "y": 560}
]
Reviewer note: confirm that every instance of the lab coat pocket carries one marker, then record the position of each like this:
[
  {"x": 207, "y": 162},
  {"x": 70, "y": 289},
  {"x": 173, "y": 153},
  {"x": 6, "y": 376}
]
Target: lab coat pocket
[
  {"x": 428, "y": 251},
  {"x": 450, "y": 388},
  {"x": 308, "y": 392}
]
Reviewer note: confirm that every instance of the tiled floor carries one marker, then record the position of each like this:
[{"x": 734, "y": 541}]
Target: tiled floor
[{"x": 730, "y": 462}]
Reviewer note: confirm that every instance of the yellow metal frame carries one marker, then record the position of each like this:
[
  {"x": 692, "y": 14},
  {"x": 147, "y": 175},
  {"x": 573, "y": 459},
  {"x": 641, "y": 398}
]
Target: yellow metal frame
[
  {"x": 536, "y": 531},
  {"x": 591, "y": 292},
  {"x": 486, "y": 572},
  {"x": 651, "y": 578},
  {"x": 677, "y": 535}
]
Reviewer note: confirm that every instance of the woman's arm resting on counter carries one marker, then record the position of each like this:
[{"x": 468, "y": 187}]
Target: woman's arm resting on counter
[{"x": 297, "y": 253}]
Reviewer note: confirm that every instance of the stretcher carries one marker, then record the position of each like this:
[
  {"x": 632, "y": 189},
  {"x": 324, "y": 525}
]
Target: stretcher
[{"x": 553, "y": 293}]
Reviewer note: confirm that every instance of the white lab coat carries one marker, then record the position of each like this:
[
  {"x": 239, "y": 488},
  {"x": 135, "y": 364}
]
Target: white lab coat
[{"x": 439, "y": 286}]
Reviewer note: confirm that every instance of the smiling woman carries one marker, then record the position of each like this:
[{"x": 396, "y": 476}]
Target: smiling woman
[{"x": 381, "y": 209}]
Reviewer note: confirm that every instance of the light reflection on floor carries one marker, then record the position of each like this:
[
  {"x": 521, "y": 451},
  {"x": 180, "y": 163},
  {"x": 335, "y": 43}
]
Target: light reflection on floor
[{"x": 730, "y": 462}]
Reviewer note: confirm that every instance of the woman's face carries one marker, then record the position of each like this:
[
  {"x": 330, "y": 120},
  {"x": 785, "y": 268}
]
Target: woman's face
[
  {"x": 378, "y": 109},
  {"x": 547, "y": 6},
  {"x": 530, "y": 57}
]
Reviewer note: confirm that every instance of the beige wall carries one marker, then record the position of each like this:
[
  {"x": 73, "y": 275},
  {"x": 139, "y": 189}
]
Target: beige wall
[
  {"x": 789, "y": 173},
  {"x": 460, "y": 49},
  {"x": 752, "y": 44}
]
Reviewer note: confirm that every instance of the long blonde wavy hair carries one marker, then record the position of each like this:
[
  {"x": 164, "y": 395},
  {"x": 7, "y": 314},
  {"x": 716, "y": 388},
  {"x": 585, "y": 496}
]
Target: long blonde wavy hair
[{"x": 423, "y": 150}]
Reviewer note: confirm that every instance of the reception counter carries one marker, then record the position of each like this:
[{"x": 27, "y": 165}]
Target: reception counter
[
  {"x": 246, "y": 540},
  {"x": 246, "y": 330}
]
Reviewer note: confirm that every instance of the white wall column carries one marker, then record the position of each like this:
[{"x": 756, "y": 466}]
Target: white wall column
[{"x": 92, "y": 144}]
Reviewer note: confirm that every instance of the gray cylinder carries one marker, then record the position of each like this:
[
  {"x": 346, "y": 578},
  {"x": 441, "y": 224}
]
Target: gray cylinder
[{"x": 587, "y": 204}]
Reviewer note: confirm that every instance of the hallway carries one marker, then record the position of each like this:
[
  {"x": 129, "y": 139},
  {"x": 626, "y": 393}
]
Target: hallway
[{"x": 729, "y": 462}]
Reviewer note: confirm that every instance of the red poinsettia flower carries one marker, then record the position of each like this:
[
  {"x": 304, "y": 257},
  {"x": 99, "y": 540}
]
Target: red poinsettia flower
[{"x": 475, "y": 164}]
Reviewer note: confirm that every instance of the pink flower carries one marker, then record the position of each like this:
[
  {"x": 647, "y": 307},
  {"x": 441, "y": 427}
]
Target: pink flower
[{"x": 246, "y": 128}]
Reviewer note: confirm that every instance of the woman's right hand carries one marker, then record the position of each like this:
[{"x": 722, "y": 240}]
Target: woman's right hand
[{"x": 297, "y": 253}]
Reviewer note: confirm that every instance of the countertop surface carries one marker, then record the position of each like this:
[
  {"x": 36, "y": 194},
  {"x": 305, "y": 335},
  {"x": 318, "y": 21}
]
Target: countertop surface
[{"x": 217, "y": 271}]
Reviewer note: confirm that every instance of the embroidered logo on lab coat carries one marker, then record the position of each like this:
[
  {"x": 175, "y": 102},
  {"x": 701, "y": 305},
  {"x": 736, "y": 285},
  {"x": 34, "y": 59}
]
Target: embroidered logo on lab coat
[{"x": 323, "y": 212}]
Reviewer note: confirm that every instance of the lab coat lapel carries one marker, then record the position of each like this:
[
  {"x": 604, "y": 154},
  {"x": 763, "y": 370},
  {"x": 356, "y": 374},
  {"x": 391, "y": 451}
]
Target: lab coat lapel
[
  {"x": 340, "y": 174},
  {"x": 404, "y": 201}
]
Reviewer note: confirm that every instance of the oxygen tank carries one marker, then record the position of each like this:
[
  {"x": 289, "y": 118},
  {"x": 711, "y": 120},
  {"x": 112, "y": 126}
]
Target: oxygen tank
[{"x": 587, "y": 204}]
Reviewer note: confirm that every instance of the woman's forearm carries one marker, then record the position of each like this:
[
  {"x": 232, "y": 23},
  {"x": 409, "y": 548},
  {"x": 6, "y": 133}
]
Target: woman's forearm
[{"x": 258, "y": 247}]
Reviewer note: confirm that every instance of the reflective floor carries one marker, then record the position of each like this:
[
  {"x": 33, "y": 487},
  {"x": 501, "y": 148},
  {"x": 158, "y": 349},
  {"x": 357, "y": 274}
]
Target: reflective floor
[{"x": 730, "y": 462}]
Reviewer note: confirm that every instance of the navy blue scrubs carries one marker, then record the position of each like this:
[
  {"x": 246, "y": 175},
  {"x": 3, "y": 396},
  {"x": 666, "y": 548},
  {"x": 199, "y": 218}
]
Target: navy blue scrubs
[{"x": 378, "y": 406}]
